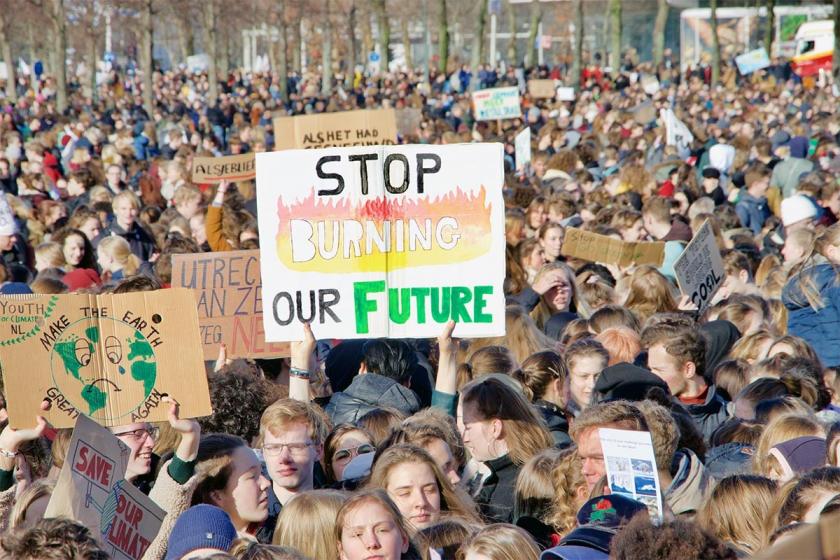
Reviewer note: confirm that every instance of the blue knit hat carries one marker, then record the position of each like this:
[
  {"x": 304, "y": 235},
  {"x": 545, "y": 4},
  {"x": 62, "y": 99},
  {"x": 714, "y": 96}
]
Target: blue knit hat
[{"x": 201, "y": 526}]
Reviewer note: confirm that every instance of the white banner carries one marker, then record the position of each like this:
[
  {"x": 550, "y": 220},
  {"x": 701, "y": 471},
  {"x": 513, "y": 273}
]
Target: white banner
[
  {"x": 522, "y": 143},
  {"x": 382, "y": 241},
  {"x": 677, "y": 133}
]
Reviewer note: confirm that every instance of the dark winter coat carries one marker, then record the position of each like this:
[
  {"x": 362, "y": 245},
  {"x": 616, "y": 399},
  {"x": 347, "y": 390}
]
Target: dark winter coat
[
  {"x": 368, "y": 392},
  {"x": 820, "y": 328}
]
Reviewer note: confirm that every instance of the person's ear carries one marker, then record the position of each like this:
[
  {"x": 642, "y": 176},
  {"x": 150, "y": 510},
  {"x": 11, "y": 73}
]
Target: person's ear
[
  {"x": 498, "y": 428},
  {"x": 689, "y": 370},
  {"x": 744, "y": 276},
  {"x": 319, "y": 452},
  {"x": 405, "y": 542}
]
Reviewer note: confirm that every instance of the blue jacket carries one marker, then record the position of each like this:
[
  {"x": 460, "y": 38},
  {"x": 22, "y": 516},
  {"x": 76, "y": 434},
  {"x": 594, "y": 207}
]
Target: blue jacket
[
  {"x": 820, "y": 328},
  {"x": 752, "y": 212}
]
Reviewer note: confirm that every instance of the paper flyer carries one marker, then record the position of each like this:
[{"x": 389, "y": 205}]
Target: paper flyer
[{"x": 631, "y": 467}]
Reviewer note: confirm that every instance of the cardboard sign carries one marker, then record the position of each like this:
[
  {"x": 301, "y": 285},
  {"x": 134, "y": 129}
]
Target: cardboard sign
[
  {"x": 366, "y": 127},
  {"x": 408, "y": 121},
  {"x": 497, "y": 103},
  {"x": 522, "y": 144},
  {"x": 748, "y": 63},
  {"x": 631, "y": 467},
  {"x": 566, "y": 94},
  {"x": 92, "y": 490},
  {"x": 110, "y": 357},
  {"x": 699, "y": 269},
  {"x": 228, "y": 168},
  {"x": 541, "y": 88},
  {"x": 384, "y": 241},
  {"x": 604, "y": 249},
  {"x": 228, "y": 294}
]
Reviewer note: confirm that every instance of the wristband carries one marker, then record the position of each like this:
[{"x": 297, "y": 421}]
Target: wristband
[
  {"x": 299, "y": 373},
  {"x": 7, "y": 454}
]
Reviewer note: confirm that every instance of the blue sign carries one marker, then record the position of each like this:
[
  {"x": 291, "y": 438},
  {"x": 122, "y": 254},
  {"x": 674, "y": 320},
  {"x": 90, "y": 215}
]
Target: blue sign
[{"x": 374, "y": 57}]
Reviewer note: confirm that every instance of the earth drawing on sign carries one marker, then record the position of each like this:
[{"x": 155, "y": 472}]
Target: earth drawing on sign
[{"x": 89, "y": 369}]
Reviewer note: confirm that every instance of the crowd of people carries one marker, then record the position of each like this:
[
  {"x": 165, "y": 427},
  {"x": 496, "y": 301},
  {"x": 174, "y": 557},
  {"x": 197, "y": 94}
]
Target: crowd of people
[{"x": 481, "y": 449}]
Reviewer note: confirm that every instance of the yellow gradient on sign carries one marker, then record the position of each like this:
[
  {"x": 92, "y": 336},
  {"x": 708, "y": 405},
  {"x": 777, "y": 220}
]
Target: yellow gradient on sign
[{"x": 430, "y": 225}]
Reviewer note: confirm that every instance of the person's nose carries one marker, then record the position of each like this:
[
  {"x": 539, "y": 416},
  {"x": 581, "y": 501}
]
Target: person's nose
[
  {"x": 453, "y": 476},
  {"x": 421, "y": 502},
  {"x": 264, "y": 482},
  {"x": 371, "y": 540}
]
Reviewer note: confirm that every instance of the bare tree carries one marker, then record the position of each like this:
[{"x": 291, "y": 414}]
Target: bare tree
[
  {"x": 277, "y": 16},
  {"x": 352, "y": 46},
  {"x": 478, "y": 41},
  {"x": 615, "y": 34},
  {"x": 146, "y": 45},
  {"x": 326, "y": 52},
  {"x": 770, "y": 27},
  {"x": 659, "y": 30},
  {"x": 531, "y": 49},
  {"x": 54, "y": 11},
  {"x": 713, "y": 4},
  {"x": 406, "y": 40},
  {"x": 511, "y": 49},
  {"x": 577, "y": 64},
  {"x": 443, "y": 37},
  {"x": 209, "y": 39},
  {"x": 182, "y": 14},
  {"x": 384, "y": 28},
  {"x": 6, "y": 50}
]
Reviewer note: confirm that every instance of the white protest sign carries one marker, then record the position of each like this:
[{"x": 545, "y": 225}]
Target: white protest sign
[
  {"x": 565, "y": 94},
  {"x": 91, "y": 489},
  {"x": 677, "y": 133},
  {"x": 699, "y": 269},
  {"x": 748, "y": 63},
  {"x": 522, "y": 143},
  {"x": 382, "y": 241},
  {"x": 650, "y": 84},
  {"x": 631, "y": 467},
  {"x": 497, "y": 103}
]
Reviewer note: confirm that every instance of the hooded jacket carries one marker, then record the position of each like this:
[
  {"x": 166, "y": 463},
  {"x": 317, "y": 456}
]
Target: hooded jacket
[
  {"x": 787, "y": 173},
  {"x": 820, "y": 328},
  {"x": 720, "y": 335},
  {"x": 709, "y": 415},
  {"x": 752, "y": 212},
  {"x": 685, "y": 495},
  {"x": 497, "y": 496},
  {"x": 556, "y": 421},
  {"x": 367, "y": 392}
]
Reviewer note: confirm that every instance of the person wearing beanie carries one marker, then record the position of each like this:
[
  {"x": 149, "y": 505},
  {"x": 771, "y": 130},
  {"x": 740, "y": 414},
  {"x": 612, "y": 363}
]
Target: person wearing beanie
[
  {"x": 81, "y": 279},
  {"x": 797, "y": 456},
  {"x": 798, "y": 212},
  {"x": 787, "y": 173},
  {"x": 199, "y": 531}
]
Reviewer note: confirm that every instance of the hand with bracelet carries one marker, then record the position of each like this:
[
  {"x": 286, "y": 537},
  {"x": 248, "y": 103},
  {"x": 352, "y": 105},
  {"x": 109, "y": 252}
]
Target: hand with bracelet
[
  {"x": 303, "y": 363},
  {"x": 11, "y": 439}
]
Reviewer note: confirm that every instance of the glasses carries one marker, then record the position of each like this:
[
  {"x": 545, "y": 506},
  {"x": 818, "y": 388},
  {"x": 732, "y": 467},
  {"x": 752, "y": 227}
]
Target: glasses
[
  {"x": 344, "y": 454},
  {"x": 275, "y": 449},
  {"x": 141, "y": 434}
]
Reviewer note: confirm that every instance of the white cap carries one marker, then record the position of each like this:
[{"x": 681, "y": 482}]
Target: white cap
[{"x": 797, "y": 208}]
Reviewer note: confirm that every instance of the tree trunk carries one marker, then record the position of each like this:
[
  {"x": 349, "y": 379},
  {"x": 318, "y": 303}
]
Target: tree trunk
[
  {"x": 326, "y": 53},
  {"x": 615, "y": 34},
  {"x": 282, "y": 58},
  {"x": 770, "y": 28},
  {"x": 715, "y": 44},
  {"x": 478, "y": 40},
  {"x": 443, "y": 37},
  {"x": 6, "y": 52},
  {"x": 531, "y": 48},
  {"x": 367, "y": 34},
  {"x": 352, "y": 47},
  {"x": 92, "y": 61},
  {"x": 512, "y": 56},
  {"x": 835, "y": 69},
  {"x": 296, "y": 51},
  {"x": 659, "y": 31},
  {"x": 384, "y": 29},
  {"x": 209, "y": 39},
  {"x": 58, "y": 49},
  {"x": 406, "y": 41},
  {"x": 146, "y": 41},
  {"x": 577, "y": 64}
]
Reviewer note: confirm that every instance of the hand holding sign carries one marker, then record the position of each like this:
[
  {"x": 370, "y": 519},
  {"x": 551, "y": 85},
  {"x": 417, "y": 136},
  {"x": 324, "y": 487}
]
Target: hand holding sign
[
  {"x": 189, "y": 429},
  {"x": 11, "y": 439}
]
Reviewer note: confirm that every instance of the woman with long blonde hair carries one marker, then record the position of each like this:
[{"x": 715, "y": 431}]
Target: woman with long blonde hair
[
  {"x": 500, "y": 541},
  {"x": 116, "y": 259},
  {"x": 307, "y": 523},
  {"x": 649, "y": 292},
  {"x": 570, "y": 491},
  {"x": 522, "y": 336}
]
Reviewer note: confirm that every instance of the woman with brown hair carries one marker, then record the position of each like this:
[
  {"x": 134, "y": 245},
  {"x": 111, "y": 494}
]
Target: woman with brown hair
[
  {"x": 543, "y": 377},
  {"x": 417, "y": 486},
  {"x": 345, "y": 442},
  {"x": 735, "y": 510},
  {"x": 556, "y": 289},
  {"x": 649, "y": 292}
]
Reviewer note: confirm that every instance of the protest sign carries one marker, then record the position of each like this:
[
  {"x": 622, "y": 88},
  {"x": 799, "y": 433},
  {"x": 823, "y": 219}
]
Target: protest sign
[
  {"x": 676, "y": 132},
  {"x": 541, "y": 88},
  {"x": 566, "y": 94},
  {"x": 110, "y": 357},
  {"x": 227, "y": 168},
  {"x": 366, "y": 127},
  {"x": 408, "y": 121},
  {"x": 92, "y": 490},
  {"x": 497, "y": 103},
  {"x": 522, "y": 143},
  {"x": 749, "y": 62},
  {"x": 385, "y": 241},
  {"x": 604, "y": 249},
  {"x": 631, "y": 467},
  {"x": 228, "y": 294},
  {"x": 650, "y": 84},
  {"x": 699, "y": 269}
]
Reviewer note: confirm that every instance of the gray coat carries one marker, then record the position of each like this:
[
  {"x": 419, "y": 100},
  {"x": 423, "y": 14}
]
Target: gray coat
[{"x": 368, "y": 392}]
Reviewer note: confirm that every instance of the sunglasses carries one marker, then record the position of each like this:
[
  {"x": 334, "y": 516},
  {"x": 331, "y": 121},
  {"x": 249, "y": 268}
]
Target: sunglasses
[{"x": 344, "y": 454}]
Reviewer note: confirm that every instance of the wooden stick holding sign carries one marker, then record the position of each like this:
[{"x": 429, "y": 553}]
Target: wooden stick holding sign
[{"x": 699, "y": 270}]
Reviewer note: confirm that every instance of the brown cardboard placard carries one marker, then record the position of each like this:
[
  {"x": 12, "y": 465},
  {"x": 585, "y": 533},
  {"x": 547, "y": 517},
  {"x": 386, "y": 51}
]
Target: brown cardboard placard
[
  {"x": 365, "y": 127},
  {"x": 608, "y": 250},
  {"x": 408, "y": 120},
  {"x": 227, "y": 168},
  {"x": 92, "y": 490},
  {"x": 110, "y": 357},
  {"x": 542, "y": 88},
  {"x": 227, "y": 289}
]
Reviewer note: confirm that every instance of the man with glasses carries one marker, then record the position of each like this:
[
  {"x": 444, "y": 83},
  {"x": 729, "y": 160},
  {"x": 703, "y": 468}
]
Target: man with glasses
[{"x": 291, "y": 438}]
